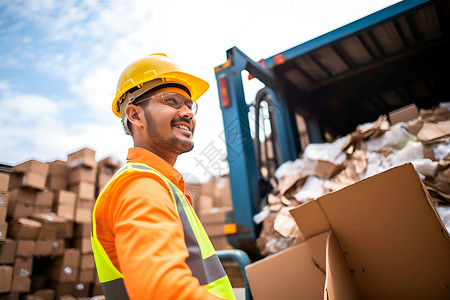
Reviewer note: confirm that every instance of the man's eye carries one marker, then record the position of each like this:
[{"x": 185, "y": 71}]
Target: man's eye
[{"x": 171, "y": 102}]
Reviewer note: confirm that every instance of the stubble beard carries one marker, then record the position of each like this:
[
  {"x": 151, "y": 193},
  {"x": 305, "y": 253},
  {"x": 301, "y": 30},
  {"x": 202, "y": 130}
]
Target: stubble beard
[{"x": 172, "y": 142}]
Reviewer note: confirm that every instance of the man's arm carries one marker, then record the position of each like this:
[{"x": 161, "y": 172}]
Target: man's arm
[{"x": 149, "y": 242}]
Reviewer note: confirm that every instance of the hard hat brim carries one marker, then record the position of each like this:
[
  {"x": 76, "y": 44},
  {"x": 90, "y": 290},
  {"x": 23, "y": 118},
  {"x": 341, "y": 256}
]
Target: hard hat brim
[{"x": 196, "y": 85}]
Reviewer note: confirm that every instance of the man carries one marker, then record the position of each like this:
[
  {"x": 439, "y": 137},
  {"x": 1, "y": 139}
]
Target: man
[{"x": 147, "y": 241}]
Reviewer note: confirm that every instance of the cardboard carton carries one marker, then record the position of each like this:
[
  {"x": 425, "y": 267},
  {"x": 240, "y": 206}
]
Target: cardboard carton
[
  {"x": 3, "y": 231},
  {"x": 38, "y": 209},
  {"x": 21, "y": 202},
  {"x": 24, "y": 229},
  {"x": 42, "y": 294},
  {"x": 51, "y": 225},
  {"x": 32, "y": 166},
  {"x": 84, "y": 190},
  {"x": 81, "y": 289},
  {"x": 25, "y": 248},
  {"x": 23, "y": 266},
  {"x": 65, "y": 268},
  {"x": 87, "y": 261},
  {"x": 4, "y": 199},
  {"x": 44, "y": 248},
  {"x": 58, "y": 247},
  {"x": 7, "y": 251},
  {"x": 82, "y": 173},
  {"x": 65, "y": 204},
  {"x": 58, "y": 168},
  {"x": 83, "y": 230},
  {"x": 84, "y": 157},
  {"x": 4, "y": 181},
  {"x": 381, "y": 238},
  {"x": 5, "y": 278},
  {"x": 83, "y": 211},
  {"x": 404, "y": 114},
  {"x": 29, "y": 180},
  {"x": 19, "y": 210},
  {"x": 84, "y": 244},
  {"x": 43, "y": 198},
  {"x": 86, "y": 275},
  {"x": 57, "y": 182},
  {"x": 21, "y": 284},
  {"x": 67, "y": 230}
]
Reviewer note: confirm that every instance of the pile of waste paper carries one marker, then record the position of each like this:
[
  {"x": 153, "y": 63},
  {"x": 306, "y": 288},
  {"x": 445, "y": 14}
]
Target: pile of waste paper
[{"x": 372, "y": 148}]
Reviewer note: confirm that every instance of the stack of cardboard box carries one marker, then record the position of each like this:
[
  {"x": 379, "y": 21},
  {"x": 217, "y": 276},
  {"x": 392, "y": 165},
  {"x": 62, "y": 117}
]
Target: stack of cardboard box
[
  {"x": 212, "y": 202},
  {"x": 45, "y": 227},
  {"x": 82, "y": 181}
]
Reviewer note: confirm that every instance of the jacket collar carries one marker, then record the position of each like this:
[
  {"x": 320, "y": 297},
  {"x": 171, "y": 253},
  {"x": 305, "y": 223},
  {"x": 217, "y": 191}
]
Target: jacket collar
[{"x": 140, "y": 155}]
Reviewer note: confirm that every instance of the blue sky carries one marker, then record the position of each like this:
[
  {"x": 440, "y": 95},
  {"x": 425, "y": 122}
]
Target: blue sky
[{"x": 60, "y": 61}]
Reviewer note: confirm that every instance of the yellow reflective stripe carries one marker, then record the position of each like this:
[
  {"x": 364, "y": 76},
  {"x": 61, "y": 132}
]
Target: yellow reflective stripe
[
  {"x": 221, "y": 288},
  {"x": 105, "y": 268}
]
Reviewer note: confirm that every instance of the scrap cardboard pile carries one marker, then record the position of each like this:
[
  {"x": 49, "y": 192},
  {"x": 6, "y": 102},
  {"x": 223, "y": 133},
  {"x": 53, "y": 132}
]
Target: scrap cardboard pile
[
  {"x": 370, "y": 224},
  {"x": 45, "y": 226}
]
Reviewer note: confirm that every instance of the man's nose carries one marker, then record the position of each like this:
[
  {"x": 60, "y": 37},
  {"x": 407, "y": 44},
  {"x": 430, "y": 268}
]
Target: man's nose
[{"x": 186, "y": 112}]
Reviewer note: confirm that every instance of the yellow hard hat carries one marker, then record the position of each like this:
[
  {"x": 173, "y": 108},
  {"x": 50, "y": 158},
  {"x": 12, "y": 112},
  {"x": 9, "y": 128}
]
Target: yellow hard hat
[{"x": 161, "y": 69}]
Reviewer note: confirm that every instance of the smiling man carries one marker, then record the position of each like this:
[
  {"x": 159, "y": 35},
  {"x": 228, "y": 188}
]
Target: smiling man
[{"x": 147, "y": 241}]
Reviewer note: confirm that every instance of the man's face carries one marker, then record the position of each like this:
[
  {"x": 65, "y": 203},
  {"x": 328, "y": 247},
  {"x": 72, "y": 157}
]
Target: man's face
[{"x": 169, "y": 126}]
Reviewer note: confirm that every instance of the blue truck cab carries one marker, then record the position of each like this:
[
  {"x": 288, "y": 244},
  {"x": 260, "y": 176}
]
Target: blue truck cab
[{"x": 322, "y": 89}]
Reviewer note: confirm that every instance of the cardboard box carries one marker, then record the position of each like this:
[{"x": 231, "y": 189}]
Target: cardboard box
[
  {"x": 83, "y": 230},
  {"x": 222, "y": 193},
  {"x": 84, "y": 190},
  {"x": 32, "y": 166},
  {"x": 87, "y": 261},
  {"x": 81, "y": 289},
  {"x": 404, "y": 114},
  {"x": 51, "y": 225},
  {"x": 83, "y": 243},
  {"x": 82, "y": 173},
  {"x": 5, "y": 278},
  {"x": 4, "y": 181},
  {"x": 21, "y": 202},
  {"x": 4, "y": 199},
  {"x": 84, "y": 157},
  {"x": 23, "y": 266},
  {"x": 7, "y": 251},
  {"x": 57, "y": 182},
  {"x": 30, "y": 180},
  {"x": 44, "y": 248},
  {"x": 21, "y": 284},
  {"x": 42, "y": 294},
  {"x": 24, "y": 229},
  {"x": 58, "y": 168},
  {"x": 3, "y": 231},
  {"x": 38, "y": 209},
  {"x": 44, "y": 198},
  {"x": 65, "y": 268},
  {"x": 83, "y": 211},
  {"x": 86, "y": 275},
  {"x": 22, "y": 195},
  {"x": 58, "y": 247},
  {"x": 384, "y": 240},
  {"x": 65, "y": 204},
  {"x": 67, "y": 230},
  {"x": 25, "y": 248},
  {"x": 19, "y": 210}
]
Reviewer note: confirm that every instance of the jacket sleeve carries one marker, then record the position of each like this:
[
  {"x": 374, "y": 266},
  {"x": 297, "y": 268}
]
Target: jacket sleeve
[{"x": 149, "y": 242}]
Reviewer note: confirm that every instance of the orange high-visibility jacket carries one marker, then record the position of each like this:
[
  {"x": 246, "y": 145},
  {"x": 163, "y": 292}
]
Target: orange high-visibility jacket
[{"x": 142, "y": 234}]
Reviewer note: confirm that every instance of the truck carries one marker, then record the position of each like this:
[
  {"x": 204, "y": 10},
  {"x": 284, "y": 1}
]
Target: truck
[{"x": 322, "y": 89}]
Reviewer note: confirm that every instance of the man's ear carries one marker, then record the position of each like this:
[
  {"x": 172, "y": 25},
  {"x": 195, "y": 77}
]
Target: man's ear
[{"x": 134, "y": 114}]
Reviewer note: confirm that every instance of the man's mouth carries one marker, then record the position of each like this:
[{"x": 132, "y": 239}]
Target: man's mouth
[{"x": 183, "y": 127}]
